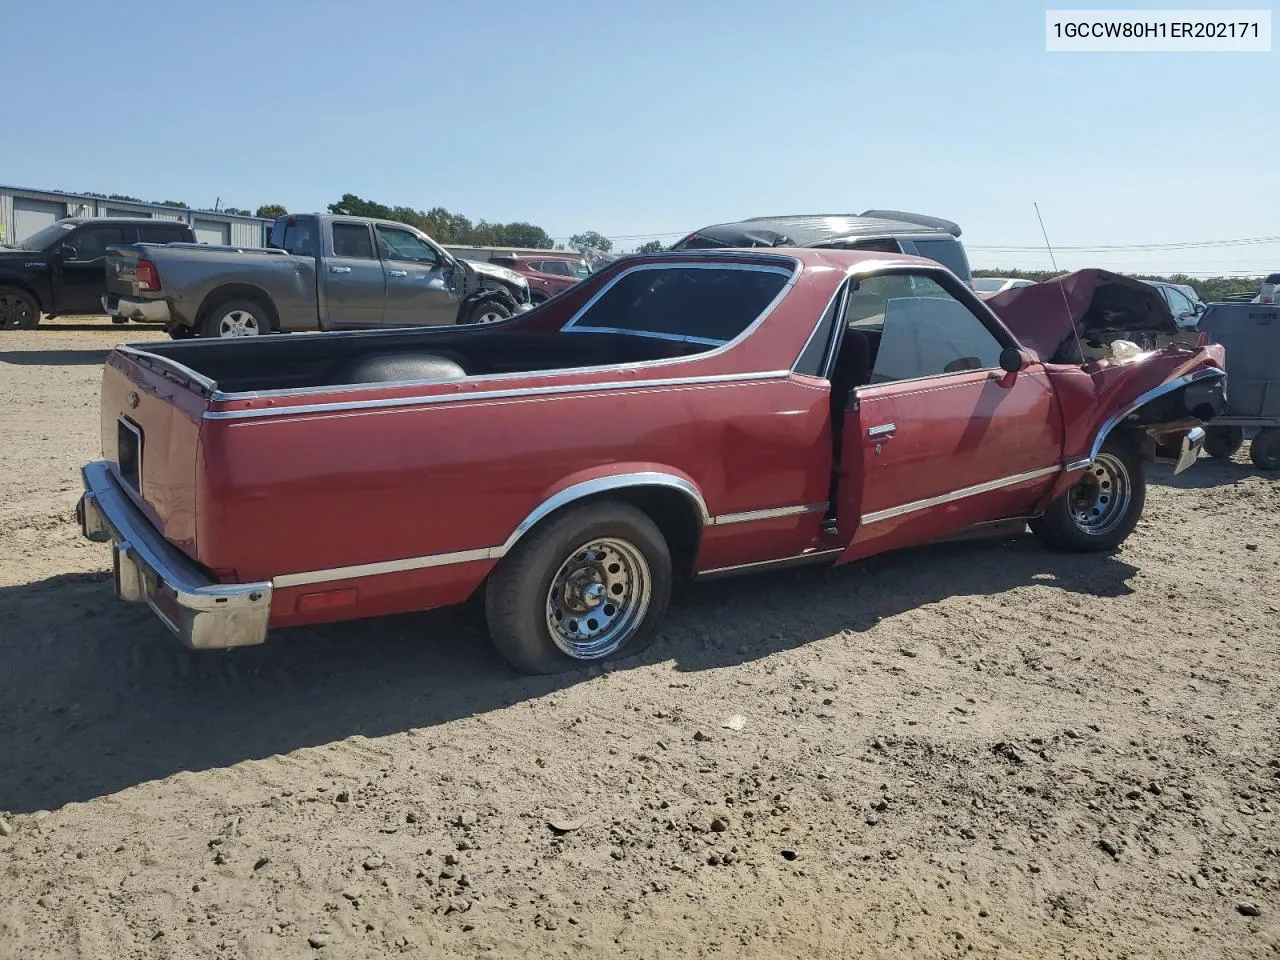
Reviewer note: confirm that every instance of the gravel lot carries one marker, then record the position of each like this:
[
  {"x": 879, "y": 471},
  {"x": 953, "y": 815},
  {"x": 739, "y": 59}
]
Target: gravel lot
[{"x": 971, "y": 750}]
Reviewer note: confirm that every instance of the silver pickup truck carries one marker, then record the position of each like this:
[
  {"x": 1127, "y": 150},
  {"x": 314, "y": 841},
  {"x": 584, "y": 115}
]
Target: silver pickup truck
[{"x": 320, "y": 272}]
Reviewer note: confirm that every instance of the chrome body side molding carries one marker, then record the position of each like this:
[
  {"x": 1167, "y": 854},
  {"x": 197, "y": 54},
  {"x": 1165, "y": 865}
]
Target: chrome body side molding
[{"x": 991, "y": 485}]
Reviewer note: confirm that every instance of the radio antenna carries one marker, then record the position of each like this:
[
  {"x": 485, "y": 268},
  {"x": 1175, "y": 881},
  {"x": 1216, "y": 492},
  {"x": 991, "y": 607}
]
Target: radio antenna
[{"x": 1065, "y": 304}]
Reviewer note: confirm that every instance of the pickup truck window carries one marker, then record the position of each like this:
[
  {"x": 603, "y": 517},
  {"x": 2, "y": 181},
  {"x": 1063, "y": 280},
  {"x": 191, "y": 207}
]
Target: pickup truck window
[
  {"x": 91, "y": 242},
  {"x": 42, "y": 239},
  {"x": 710, "y": 305},
  {"x": 924, "y": 331},
  {"x": 352, "y": 240},
  {"x": 161, "y": 233},
  {"x": 403, "y": 245},
  {"x": 300, "y": 238}
]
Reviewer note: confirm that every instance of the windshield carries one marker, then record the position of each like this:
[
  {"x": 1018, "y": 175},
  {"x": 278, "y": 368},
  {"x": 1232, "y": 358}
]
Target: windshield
[
  {"x": 44, "y": 238},
  {"x": 988, "y": 284}
]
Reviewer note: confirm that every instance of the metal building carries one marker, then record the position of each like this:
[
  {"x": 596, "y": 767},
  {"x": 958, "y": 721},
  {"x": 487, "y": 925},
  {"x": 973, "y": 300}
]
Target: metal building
[{"x": 23, "y": 211}]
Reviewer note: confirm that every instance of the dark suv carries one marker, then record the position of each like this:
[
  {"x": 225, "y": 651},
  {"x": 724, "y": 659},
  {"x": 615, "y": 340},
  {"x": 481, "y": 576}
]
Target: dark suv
[
  {"x": 62, "y": 268},
  {"x": 888, "y": 231}
]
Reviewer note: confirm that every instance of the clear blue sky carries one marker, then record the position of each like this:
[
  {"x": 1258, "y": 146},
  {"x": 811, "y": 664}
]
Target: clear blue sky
[{"x": 654, "y": 118}]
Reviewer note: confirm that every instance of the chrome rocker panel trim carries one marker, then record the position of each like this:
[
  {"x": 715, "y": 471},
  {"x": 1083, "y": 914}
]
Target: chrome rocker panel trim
[
  {"x": 148, "y": 569},
  {"x": 991, "y": 485}
]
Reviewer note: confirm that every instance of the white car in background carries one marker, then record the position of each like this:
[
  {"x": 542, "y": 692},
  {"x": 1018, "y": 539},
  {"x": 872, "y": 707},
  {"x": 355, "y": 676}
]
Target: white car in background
[
  {"x": 999, "y": 284},
  {"x": 1269, "y": 292},
  {"x": 1184, "y": 303}
]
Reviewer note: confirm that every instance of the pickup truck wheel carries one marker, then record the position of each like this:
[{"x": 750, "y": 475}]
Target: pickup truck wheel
[
  {"x": 1264, "y": 451},
  {"x": 1103, "y": 507},
  {"x": 589, "y": 584},
  {"x": 18, "y": 309},
  {"x": 1221, "y": 443},
  {"x": 237, "y": 318},
  {"x": 487, "y": 311}
]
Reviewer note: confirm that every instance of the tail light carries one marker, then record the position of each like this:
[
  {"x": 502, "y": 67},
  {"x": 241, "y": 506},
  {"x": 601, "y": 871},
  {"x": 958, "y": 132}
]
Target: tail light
[{"x": 147, "y": 276}]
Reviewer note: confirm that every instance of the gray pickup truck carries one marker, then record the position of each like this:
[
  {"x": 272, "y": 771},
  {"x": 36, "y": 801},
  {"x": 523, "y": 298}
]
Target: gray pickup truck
[{"x": 320, "y": 272}]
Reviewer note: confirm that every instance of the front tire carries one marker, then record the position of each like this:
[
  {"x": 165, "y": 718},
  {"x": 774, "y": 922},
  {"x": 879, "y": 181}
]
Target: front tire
[
  {"x": 1104, "y": 506},
  {"x": 18, "y": 309},
  {"x": 487, "y": 311},
  {"x": 1264, "y": 451},
  {"x": 591, "y": 583},
  {"x": 1221, "y": 443},
  {"x": 236, "y": 318}
]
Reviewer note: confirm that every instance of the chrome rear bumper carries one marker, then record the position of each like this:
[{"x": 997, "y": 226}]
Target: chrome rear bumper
[
  {"x": 1192, "y": 444},
  {"x": 131, "y": 308},
  {"x": 148, "y": 569}
]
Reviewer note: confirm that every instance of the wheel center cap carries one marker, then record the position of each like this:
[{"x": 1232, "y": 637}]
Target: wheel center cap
[{"x": 583, "y": 591}]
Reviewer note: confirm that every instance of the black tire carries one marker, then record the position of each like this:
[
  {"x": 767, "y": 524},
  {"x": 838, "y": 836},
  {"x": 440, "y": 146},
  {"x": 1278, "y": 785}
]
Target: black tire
[
  {"x": 236, "y": 314},
  {"x": 522, "y": 598},
  {"x": 182, "y": 332},
  {"x": 1264, "y": 451},
  {"x": 1221, "y": 443},
  {"x": 18, "y": 309},
  {"x": 1101, "y": 510},
  {"x": 486, "y": 311}
]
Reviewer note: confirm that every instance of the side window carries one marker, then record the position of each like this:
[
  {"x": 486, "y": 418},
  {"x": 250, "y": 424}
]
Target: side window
[
  {"x": 159, "y": 233},
  {"x": 1178, "y": 303},
  {"x": 948, "y": 252},
  {"x": 352, "y": 240},
  {"x": 91, "y": 242},
  {"x": 885, "y": 245},
  {"x": 300, "y": 238},
  {"x": 813, "y": 358},
  {"x": 922, "y": 329},
  {"x": 396, "y": 244},
  {"x": 558, "y": 267}
]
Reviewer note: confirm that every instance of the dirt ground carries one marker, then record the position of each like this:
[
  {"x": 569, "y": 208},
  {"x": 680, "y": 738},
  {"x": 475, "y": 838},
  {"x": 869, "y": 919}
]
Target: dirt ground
[{"x": 977, "y": 749}]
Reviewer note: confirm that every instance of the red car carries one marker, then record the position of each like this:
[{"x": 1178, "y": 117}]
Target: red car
[
  {"x": 547, "y": 274},
  {"x": 675, "y": 415}
]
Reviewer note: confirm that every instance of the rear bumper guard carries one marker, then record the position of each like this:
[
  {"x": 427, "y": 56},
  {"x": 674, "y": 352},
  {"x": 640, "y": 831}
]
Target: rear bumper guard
[{"x": 148, "y": 569}]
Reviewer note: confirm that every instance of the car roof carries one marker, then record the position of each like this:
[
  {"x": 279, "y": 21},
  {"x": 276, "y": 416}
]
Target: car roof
[
  {"x": 805, "y": 230},
  {"x": 809, "y": 257}
]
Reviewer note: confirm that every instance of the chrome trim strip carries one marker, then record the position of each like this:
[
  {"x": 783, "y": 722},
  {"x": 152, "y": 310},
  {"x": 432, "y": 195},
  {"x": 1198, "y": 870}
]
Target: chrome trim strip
[
  {"x": 766, "y": 564},
  {"x": 1143, "y": 400},
  {"x": 978, "y": 488},
  {"x": 481, "y": 395},
  {"x": 769, "y": 513},
  {"x": 648, "y": 335},
  {"x": 1075, "y": 465},
  {"x": 564, "y": 497}
]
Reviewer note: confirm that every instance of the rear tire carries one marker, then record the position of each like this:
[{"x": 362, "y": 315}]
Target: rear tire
[
  {"x": 236, "y": 318},
  {"x": 1264, "y": 451},
  {"x": 18, "y": 309},
  {"x": 588, "y": 584},
  {"x": 1221, "y": 443},
  {"x": 1104, "y": 506}
]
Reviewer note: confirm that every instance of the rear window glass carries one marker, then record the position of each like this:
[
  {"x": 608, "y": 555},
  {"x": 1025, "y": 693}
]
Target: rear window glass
[
  {"x": 703, "y": 304},
  {"x": 1273, "y": 278},
  {"x": 947, "y": 252},
  {"x": 161, "y": 233}
]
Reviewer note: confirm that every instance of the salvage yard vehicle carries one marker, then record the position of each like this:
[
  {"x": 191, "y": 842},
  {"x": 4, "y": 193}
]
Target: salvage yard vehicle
[
  {"x": 674, "y": 416},
  {"x": 62, "y": 269},
  {"x": 321, "y": 272},
  {"x": 1250, "y": 334},
  {"x": 886, "y": 231},
  {"x": 547, "y": 274}
]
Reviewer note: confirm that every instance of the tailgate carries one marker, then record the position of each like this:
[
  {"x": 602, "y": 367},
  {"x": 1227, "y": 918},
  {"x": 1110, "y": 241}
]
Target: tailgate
[
  {"x": 151, "y": 416},
  {"x": 122, "y": 270}
]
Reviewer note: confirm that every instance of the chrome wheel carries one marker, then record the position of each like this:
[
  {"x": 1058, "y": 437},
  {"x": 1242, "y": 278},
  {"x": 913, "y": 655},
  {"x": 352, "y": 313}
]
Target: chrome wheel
[
  {"x": 238, "y": 323},
  {"x": 598, "y": 598},
  {"x": 491, "y": 316},
  {"x": 1100, "y": 501}
]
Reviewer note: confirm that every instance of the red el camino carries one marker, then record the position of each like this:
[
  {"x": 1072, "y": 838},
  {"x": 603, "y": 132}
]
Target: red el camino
[{"x": 676, "y": 415}]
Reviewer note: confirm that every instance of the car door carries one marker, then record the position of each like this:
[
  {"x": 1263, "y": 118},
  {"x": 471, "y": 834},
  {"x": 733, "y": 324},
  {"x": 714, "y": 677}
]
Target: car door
[
  {"x": 935, "y": 435},
  {"x": 80, "y": 266},
  {"x": 354, "y": 280},
  {"x": 419, "y": 280}
]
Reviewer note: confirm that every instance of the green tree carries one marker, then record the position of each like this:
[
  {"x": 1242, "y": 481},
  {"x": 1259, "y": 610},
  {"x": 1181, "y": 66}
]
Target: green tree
[
  {"x": 237, "y": 211},
  {"x": 353, "y": 206},
  {"x": 653, "y": 246},
  {"x": 271, "y": 211},
  {"x": 174, "y": 203},
  {"x": 591, "y": 239}
]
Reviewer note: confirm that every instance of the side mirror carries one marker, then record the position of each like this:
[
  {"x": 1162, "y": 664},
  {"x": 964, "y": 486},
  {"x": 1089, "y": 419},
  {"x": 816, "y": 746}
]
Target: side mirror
[
  {"x": 1200, "y": 308},
  {"x": 1011, "y": 359},
  {"x": 67, "y": 251}
]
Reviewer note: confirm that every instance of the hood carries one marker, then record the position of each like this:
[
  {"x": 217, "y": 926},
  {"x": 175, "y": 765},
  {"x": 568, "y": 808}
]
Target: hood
[
  {"x": 486, "y": 269},
  {"x": 1093, "y": 304}
]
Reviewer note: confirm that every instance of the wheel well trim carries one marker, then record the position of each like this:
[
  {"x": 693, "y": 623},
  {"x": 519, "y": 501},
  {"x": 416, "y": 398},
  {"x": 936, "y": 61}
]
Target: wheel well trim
[
  {"x": 1154, "y": 393},
  {"x": 232, "y": 290},
  {"x": 599, "y": 485}
]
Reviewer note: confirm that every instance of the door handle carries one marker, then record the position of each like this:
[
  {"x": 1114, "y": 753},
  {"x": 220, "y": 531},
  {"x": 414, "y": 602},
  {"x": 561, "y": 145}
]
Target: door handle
[
  {"x": 339, "y": 269},
  {"x": 399, "y": 273},
  {"x": 882, "y": 430}
]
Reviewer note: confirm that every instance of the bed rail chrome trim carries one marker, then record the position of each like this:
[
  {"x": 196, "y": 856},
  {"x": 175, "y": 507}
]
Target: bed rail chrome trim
[
  {"x": 1154, "y": 393},
  {"x": 164, "y": 363},
  {"x": 480, "y": 395},
  {"x": 566, "y": 496},
  {"x": 769, "y": 513},
  {"x": 975, "y": 490}
]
